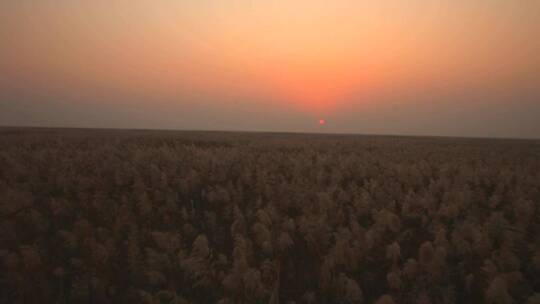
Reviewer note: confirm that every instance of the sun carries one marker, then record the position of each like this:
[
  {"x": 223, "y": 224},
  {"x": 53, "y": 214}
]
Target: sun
[{"x": 322, "y": 122}]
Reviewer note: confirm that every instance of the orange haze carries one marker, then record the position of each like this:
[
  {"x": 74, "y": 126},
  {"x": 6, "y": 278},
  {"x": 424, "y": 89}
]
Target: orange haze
[{"x": 313, "y": 58}]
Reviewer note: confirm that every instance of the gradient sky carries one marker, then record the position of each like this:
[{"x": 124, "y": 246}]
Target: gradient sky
[{"x": 431, "y": 67}]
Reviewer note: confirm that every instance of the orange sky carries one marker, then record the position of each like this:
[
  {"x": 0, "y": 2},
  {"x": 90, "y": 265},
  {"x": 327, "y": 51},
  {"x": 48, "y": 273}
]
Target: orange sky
[{"x": 315, "y": 58}]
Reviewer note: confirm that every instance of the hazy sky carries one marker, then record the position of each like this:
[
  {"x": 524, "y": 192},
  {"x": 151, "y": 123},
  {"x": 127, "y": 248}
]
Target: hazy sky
[{"x": 431, "y": 67}]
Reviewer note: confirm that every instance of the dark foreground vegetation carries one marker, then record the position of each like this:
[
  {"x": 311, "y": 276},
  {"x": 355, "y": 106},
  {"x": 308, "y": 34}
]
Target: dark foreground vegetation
[{"x": 96, "y": 216}]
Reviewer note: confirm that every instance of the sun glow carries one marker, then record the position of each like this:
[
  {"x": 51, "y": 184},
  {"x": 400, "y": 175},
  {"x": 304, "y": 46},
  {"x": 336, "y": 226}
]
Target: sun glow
[{"x": 316, "y": 57}]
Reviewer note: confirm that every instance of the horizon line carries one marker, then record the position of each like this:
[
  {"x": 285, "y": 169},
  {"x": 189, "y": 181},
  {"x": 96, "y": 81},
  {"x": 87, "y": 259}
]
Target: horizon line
[{"x": 268, "y": 132}]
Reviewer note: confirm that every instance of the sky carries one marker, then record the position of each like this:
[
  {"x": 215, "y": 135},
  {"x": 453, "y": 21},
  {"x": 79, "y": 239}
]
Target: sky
[{"x": 417, "y": 67}]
